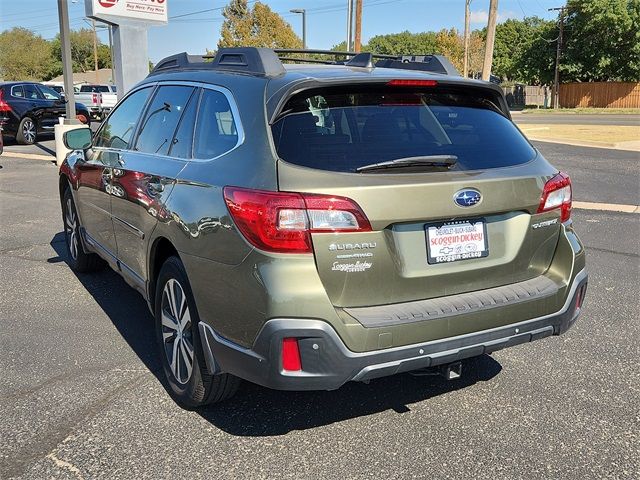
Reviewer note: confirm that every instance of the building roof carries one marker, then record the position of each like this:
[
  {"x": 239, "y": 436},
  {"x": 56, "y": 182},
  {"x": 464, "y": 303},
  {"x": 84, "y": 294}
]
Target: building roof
[{"x": 104, "y": 76}]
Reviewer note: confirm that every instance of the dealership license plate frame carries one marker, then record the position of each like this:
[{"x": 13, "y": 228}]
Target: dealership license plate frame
[{"x": 453, "y": 256}]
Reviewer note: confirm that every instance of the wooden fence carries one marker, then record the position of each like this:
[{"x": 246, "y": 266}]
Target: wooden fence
[
  {"x": 600, "y": 94},
  {"x": 520, "y": 95}
]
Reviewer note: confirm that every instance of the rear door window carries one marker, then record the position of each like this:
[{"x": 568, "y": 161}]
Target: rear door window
[
  {"x": 343, "y": 129},
  {"x": 182, "y": 143},
  {"x": 31, "y": 92},
  {"x": 162, "y": 117}
]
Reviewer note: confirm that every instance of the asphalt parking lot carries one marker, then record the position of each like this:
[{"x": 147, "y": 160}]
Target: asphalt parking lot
[{"x": 80, "y": 394}]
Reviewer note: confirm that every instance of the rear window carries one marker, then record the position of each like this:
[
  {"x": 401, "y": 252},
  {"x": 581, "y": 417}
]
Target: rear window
[
  {"x": 94, "y": 88},
  {"x": 342, "y": 129}
]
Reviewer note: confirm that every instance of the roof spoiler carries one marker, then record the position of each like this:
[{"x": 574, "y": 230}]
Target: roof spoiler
[{"x": 268, "y": 63}]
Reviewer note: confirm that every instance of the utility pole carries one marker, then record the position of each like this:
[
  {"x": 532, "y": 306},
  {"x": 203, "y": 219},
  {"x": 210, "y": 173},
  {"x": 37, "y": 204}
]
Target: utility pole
[
  {"x": 491, "y": 36},
  {"x": 467, "y": 26},
  {"x": 358, "y": 37},
  {"x": 555, "y": 90},
  {"x": 95, "y": 49},
  {"x": 349, "y": 25}
]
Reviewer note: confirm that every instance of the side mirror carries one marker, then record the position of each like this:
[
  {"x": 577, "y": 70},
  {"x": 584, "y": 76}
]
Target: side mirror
[{"x": 78, "y": 139}]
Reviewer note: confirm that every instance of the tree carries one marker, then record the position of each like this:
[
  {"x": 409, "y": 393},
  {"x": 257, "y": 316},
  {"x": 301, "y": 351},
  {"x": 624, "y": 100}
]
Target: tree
[
  {"x": 23, "y": 55},
  {"x": 403, "y": 43},
  {"x": 82, "y": 51},
  {"x": 602, "y": 41},
  {"x": 524, "y": 50},
  {"x": 255, "y": 27}
]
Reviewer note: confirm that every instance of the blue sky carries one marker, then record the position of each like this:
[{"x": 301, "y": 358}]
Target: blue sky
[{"x": 326, "y": 19}]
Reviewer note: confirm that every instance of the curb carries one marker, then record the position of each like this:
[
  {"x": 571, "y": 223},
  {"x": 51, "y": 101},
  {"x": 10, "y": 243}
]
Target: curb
[{"x": 607, "y": 207}]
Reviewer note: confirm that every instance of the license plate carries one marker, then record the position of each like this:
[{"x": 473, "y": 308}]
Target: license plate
[{"x": 453, "y": 241}]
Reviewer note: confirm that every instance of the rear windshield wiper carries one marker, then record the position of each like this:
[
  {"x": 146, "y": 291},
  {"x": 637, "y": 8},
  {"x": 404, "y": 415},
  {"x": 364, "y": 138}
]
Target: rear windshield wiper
[{"x": 446, "y": 161}]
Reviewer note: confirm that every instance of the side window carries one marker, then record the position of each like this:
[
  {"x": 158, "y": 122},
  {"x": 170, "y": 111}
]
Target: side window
[
  {"x": 49, "y": 93},
  {"x": 116, "y": 131},
  {"x": 216, "y": 131},
  {"x": 183, "y": 140},
  {"x": 31, "y": 92},
  {"x": 161, "y": 120},
  {"x": 17, "y": 91}
]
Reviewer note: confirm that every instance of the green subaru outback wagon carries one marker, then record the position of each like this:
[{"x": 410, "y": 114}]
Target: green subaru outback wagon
[{"x": 303, "y": 225}]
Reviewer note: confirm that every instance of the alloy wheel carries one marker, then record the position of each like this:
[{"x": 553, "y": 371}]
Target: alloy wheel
[
  {"x": 71, "y": 229},
  {"x": 29, "y": 131},
  {"x": 177, "y": 334}
]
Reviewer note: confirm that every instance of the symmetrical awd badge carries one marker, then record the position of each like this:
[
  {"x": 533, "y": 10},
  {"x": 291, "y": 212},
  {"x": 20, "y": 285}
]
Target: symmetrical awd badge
[{"x": 467, "y": 197}]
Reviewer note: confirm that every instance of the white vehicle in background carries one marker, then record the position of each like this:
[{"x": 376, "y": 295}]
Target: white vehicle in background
[{"x": 99, "y": 98}]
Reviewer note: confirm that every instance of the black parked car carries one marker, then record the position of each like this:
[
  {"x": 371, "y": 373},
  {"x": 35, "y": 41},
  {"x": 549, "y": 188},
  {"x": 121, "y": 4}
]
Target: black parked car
[{"x": 31, "y": 109}]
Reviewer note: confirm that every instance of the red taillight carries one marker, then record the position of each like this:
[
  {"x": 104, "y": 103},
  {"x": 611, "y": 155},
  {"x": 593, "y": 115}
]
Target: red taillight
[
  {"x": 282, "y": 222},
  {"x": 557, "y": 194},
  {"x": 291, "y": 355},
  {"x": 402, "y": 82},
  {"x": 4, "y": 106}
]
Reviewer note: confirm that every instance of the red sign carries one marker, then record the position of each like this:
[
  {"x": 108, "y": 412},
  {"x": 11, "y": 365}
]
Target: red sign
[{"x": 107, "y": 3}]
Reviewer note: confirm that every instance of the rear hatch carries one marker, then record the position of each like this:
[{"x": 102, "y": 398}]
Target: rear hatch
[{"x": 448, "y": 184}]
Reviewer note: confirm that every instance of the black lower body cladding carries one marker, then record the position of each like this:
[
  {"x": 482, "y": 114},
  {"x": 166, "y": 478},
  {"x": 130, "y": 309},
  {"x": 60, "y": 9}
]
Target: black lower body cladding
[{"x": 327, "y": 363}]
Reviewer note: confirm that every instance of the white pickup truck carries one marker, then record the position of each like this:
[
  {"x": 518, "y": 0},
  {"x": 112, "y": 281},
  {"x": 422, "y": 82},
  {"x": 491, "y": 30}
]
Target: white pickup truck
[{"x": 99, "y": 98}]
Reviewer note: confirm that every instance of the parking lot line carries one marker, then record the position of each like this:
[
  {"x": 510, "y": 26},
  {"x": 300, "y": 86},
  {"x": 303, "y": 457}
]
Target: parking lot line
[{"x": 28, "y": 156}]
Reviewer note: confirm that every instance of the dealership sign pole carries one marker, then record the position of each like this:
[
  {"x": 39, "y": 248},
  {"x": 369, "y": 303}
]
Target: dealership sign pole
[
  {"x": 129, "y": 20},
  {"x": 67, "y": 66}
]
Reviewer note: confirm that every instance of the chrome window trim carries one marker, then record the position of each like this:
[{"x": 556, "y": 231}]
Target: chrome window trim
[
  {"x": 225, "y": 91},
  {"x": 16, "y": 96},
  {"x": 234, "y": 111}
]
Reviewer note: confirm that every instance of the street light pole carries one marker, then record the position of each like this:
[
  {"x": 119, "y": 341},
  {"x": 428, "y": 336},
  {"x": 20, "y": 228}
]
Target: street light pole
[{"x": 304, "y": 25}]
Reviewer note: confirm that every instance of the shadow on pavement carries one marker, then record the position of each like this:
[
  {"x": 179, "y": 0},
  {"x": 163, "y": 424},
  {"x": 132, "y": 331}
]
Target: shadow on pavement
[
  {"x": 259, "y": 411},
  {"x": 42, "y": 137}
]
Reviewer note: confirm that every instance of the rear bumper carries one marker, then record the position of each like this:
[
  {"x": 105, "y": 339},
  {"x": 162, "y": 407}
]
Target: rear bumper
[{"x": 328, "y": 364}]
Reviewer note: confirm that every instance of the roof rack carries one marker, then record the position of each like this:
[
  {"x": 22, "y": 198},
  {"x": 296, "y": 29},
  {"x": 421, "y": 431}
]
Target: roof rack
[
  {"x": 251, "y": 60},
  {"x": 267, "y": 62},
  {"x": 426, "y": 63}
]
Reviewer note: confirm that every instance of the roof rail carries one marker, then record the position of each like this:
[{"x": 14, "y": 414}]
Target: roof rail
[
  {"x": 426, "y": 63},
  {"x": 251, "y": 60},
  {"x": 268, "y": 63}
]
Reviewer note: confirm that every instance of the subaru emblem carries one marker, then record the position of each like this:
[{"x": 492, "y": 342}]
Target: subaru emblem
[{"x": 467, "y": 197}]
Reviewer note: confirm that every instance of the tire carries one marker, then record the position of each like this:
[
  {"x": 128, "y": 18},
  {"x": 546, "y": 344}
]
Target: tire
[
  {"x": 179, "y": 343},
  {"x": 79, "y": 260},
  {"x": 27, "y": 132}
]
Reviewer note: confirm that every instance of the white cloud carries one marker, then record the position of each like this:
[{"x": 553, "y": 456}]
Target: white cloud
[{"x": 482, "y": 16}]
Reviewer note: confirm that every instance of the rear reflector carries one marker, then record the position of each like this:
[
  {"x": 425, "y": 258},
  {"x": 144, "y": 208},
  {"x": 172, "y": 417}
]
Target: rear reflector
[
  {"x": 557, "y": 194},
  {"x": 291, "y": 355},
  {"x": 282, "y": 222},
  {"x": 402, "y": 82}
]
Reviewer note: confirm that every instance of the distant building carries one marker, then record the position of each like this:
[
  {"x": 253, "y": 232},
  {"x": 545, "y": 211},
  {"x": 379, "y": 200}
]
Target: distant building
[{"x": 104, "y": 76}]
